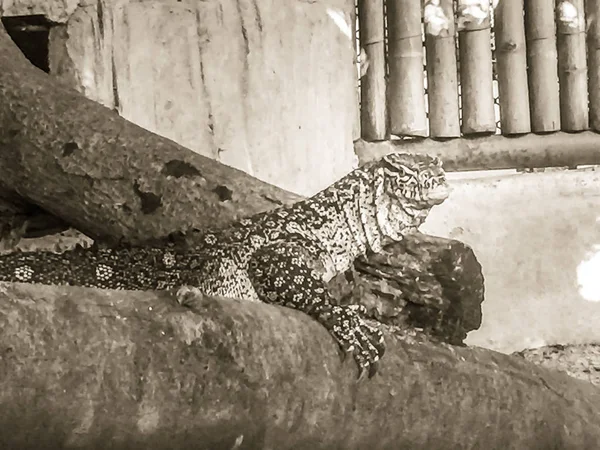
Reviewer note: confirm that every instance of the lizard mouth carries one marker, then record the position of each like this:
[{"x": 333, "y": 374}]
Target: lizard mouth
[{"x": 439, "y": 193}]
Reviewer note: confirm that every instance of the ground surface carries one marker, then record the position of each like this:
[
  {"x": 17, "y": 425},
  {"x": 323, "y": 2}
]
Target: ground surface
[{"x": 579, "y": 361}]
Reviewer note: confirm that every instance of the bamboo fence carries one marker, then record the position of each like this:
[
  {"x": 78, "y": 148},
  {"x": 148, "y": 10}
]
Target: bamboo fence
[
  {"x": 592, "y": 11},
  {"x": 465, "y": 68},
  {"x": 373, "y": 86}
]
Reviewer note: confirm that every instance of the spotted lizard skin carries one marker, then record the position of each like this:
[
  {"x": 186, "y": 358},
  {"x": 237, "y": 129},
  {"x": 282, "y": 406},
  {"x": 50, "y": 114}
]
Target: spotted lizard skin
[{"x": 284, "y": 256}]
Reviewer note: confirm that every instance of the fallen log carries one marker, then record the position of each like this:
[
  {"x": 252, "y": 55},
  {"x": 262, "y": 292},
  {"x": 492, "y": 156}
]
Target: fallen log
[
  {"x": 86, "y": 368},
  {"x": 428, "y": 283},
  {"x": 104, "y": 175}
]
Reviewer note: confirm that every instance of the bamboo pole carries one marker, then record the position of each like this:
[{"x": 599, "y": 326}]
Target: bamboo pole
[
  {"x": 496, "y": 152},
  {"x": 356, "y": 133},
  {"x": 406, "y": 92},
  {"x": 542, "y": 61},
  {"x": 442, "y": 83},
  {"x": 373, "y": 112},
  {"x": 512, "y": 67},
  {"x": 572, "y": 65},
  {"x": 476, "y": 75},
  {"x": 592, "y": 13}
]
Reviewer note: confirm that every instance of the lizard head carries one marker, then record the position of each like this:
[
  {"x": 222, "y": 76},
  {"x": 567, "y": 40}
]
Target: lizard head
[
  {"x": 418, "y": 182},
  {"x": 407, "y": 187}
]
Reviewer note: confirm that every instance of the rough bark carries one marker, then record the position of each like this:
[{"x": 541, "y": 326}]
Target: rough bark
[
  {"x": 424, "y": 282},
  {"x": 90, "y": 369},
  {"x": 106, "y": 176}
]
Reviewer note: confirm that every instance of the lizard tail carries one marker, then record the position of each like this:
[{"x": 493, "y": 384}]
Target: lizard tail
[{"x": 105, "y": 269}]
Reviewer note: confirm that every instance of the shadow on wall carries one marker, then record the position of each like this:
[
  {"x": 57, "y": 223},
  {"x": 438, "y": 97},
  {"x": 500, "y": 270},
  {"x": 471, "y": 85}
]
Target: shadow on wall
[{"x": 537, "y": 236}]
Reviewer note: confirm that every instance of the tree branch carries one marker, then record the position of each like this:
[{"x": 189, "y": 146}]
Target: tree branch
[
  {"x": 83, "y": 367},
  {"x": 109, "y": 178}
]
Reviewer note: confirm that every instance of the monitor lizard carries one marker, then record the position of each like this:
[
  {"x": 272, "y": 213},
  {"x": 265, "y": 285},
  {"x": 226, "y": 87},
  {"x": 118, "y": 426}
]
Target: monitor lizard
[{"x": 284, "y": 256}]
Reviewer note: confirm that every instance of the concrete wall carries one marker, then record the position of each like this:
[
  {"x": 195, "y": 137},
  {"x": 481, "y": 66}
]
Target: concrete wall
[
  {"x": 267, "y": 86},
  {"x": 535, "y": 235}
]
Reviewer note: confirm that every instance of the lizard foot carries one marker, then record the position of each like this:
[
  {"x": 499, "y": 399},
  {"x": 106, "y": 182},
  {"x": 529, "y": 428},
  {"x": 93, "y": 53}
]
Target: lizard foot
[
  {"x": 283, "y": 274},
  {"x": 354, "y": 335},
  {"x": 189, "y": 296}
]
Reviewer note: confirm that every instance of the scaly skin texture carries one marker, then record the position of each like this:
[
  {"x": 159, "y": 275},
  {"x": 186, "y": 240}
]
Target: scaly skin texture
[{"x": 284, "y": 256}]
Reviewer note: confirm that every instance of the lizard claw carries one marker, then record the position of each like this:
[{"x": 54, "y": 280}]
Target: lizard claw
[
  {"x": 189, "y": 296},
  {"x": 355, "y": 336},
  {"x": 369, "y": 371}
]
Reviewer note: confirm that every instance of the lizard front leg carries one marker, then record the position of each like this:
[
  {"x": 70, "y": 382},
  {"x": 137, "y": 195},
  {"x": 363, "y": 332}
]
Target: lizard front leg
[{"x": 283, "y": 274}]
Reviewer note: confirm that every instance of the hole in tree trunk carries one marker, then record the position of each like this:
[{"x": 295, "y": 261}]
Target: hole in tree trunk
[{"x": 30, "y": 33}]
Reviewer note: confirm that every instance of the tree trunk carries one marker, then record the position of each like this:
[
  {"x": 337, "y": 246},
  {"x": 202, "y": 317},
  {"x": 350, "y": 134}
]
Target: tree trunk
[
  {"x": 424, "y": 282},
  {"x": 90, "y": 369},
  {"x": 104, "y": 175},
  {"x": 83, "y": 367}
]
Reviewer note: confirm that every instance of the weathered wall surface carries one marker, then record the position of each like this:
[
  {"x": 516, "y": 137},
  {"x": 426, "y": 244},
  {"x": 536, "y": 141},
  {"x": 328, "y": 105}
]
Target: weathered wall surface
[
  {"x": 534, "y": 235},
  {"x": 269, "y": 83}
]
